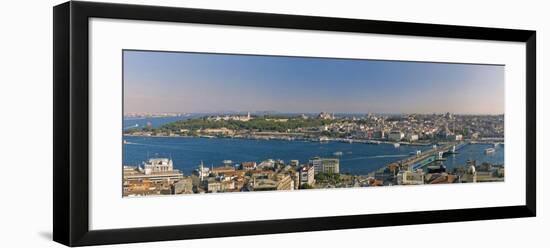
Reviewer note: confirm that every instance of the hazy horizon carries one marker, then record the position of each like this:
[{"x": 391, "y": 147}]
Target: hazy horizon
[
  {"x": 252, "y": 112},
  {"x": 177, "y": 82}
]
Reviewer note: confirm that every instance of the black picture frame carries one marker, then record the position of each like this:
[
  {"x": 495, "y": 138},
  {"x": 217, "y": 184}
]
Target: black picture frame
[{"x": 71, "y": 123}]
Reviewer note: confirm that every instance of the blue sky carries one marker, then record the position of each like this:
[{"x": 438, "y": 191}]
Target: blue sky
[{"x": 200, "y": 82}]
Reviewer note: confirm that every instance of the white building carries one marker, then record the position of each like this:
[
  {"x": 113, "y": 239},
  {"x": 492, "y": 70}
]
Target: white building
[
  {"x": 307, "y": 175},
  {"x": 325, "y": 165},
  {"x": 267, "y": 164},
  {"x": 411, "y": 137},
  {"x": 155, "y": 170},
  {"x": 325, "y": 116},
  {"x": 396, "y": 135},
  {"x": 455, "y": 137},
  {"x": 202, "y": 171},
  {"x": 157, "y": 165},
  {"x": 248, "y": 165}
]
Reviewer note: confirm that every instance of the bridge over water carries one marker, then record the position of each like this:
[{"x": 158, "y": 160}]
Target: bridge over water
[{"x": 420, "y": 160}]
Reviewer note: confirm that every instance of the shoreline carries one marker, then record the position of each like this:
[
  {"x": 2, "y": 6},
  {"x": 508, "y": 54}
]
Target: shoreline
[{"x": 340, "y": 140}]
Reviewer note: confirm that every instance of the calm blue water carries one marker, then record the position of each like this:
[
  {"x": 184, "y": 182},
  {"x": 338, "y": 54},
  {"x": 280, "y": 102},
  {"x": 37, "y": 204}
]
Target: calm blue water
[
  {"x": 187, "y": 153},
  {"x": 476, "y": 152}
]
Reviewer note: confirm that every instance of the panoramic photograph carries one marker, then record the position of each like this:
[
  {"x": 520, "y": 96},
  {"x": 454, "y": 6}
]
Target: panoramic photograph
[{"x": 200, "y": 123}]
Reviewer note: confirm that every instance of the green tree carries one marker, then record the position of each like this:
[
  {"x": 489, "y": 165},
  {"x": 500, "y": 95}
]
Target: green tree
[{"x": 306, "y": 186}]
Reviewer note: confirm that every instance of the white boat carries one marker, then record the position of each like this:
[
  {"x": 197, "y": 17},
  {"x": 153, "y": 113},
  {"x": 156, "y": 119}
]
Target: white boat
[
  {"x": 489, "y": 150},
  {"x": 396, "y": 145},
  {"x": 417, "y": 152},
  {"x": 337, "y": 153}
]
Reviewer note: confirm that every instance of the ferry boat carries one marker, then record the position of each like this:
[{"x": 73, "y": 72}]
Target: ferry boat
[
  {"x": 416, "y": 153},
  {"x": 489, "y": 150}
]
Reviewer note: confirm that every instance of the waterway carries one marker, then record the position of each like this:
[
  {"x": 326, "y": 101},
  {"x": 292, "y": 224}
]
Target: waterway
[{"x": 356, "y": 158}]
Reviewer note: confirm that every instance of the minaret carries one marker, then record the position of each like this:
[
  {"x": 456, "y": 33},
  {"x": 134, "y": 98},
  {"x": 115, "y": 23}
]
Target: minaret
[{"x": 202, "y": 171}]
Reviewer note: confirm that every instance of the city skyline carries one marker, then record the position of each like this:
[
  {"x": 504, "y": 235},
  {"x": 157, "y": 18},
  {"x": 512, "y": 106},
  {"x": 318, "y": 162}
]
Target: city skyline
[
  {"x": 270, "y": 112},
  {"x": 163, "y": 82}
]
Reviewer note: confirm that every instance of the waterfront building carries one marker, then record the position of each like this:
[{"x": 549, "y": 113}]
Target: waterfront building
[
  {"x": 294, "y": 162},
  {"x": 155, "y": 170},
  {"x": 223, "y": 169},
  {"x": 410, "y": 177},
  {"x": 471, "y": 174},
  {"x": 218, "y": 131},
  {"x": 248, "y": 165},
  {"x": 411, "y": 137},
  {"x": 156, "y": 165},
  {"x": 380, "y": 134},
  {"x": 267, "y": 164},
  {"x": 307, "y": 175},
  {"x": 325, "y": 165},
  {"x": 396, "y": 135},
  {"x": 202, "y": 172}
]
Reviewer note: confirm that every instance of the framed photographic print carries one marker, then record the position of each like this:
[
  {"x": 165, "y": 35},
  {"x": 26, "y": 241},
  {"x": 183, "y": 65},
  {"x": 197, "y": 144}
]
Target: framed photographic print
[{"x": 178, "y": 123}]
